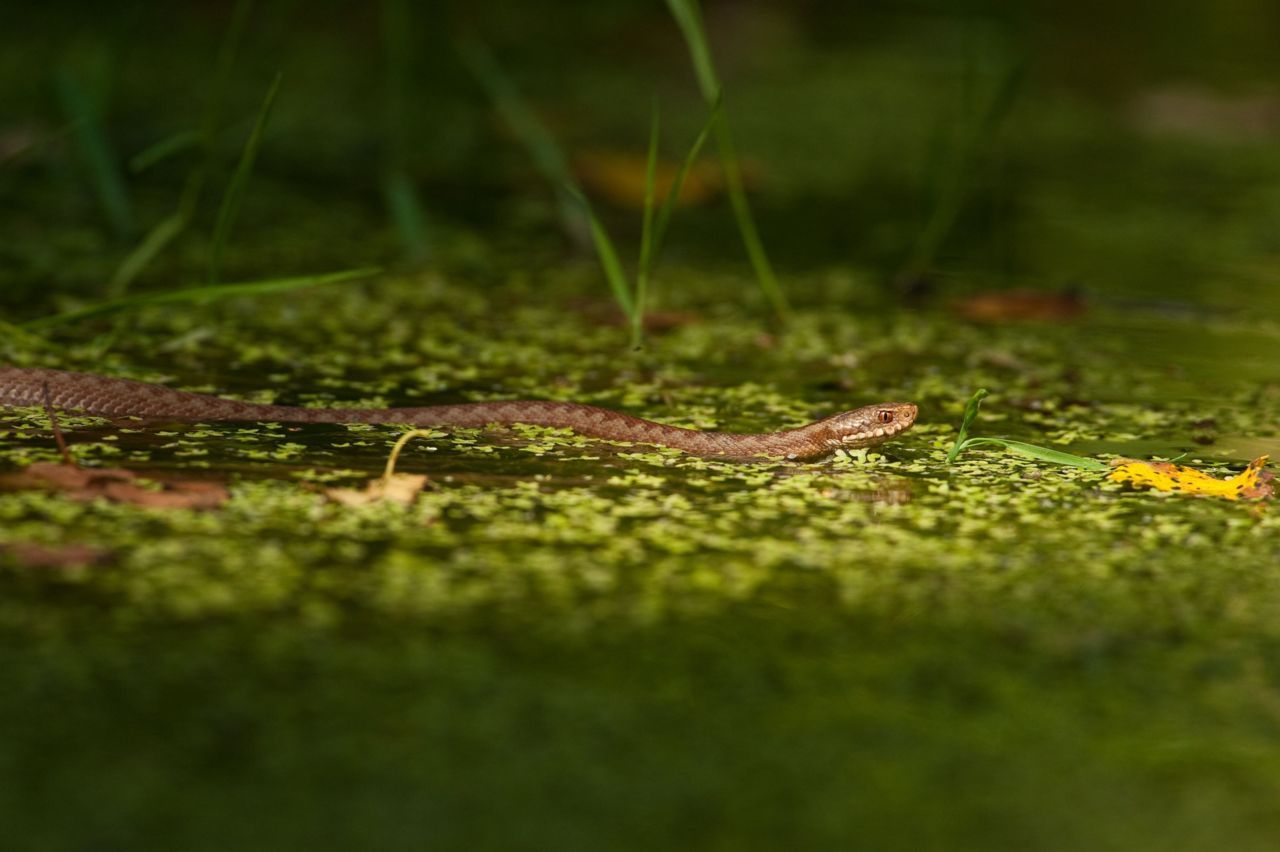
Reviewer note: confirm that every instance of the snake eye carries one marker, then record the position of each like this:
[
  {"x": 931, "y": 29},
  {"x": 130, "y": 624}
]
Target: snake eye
[{"x": 885, "y": 415}]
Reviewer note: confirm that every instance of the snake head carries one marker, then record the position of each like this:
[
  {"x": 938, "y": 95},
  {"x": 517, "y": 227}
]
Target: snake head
[{"x": 869, "y": 425}]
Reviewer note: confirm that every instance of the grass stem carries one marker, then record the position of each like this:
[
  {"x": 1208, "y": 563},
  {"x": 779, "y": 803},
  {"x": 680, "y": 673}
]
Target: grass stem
[
  {"x": 234, "y": 195},
  {"x": 198, "y": 294},
  {"x": 168, "y": 229},
  {"x": 688, "y": 17},
  {"x": 96, "y": 151}
]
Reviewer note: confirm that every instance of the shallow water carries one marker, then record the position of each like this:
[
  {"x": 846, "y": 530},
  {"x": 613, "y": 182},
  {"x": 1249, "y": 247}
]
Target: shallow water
[{"x": 635, "y": 625}]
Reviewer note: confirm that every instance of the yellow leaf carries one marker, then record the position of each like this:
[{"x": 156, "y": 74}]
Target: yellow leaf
[{"x": 1251, "y": 484}]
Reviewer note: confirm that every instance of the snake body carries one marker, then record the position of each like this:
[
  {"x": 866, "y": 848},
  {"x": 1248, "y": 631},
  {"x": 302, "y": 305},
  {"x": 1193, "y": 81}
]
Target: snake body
[{"x": 94, "y": 394}]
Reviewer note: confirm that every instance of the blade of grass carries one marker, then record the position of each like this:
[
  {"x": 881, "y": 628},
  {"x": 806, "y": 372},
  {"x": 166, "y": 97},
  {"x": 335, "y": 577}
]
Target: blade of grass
[
  {"x": 608, "y": 255},
  {"x": 198, "y": 294},
  {"x": 552, "y": 163},
  {"x": 677, "y": 183},
  {"x": 645, "y": 262},
  {"x": 541, "y": 145},
  {"x": 167, "y": 147},
  {"x": 970, "y": 414},
  {"x": 96, "y": 151},
  {"x": 398, "y": 192},
  {"x": 746, "y": 222},
  {"x": 168, "y": 229},
  {"x": 689, "y": 19},
  {"x": 964, "y": 442},
  {"x": 160, "y": 235},
  {"x": 234, "y": 194},
  {"x": 406, "y": 215},
  {"x": 1039, "y": 453},
  {"x": 956, "y": 184},
  {"x": 655, "y": 225}
]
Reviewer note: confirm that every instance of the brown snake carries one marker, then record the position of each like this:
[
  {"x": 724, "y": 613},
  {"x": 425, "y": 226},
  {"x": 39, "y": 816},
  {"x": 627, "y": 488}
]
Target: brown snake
[{"x": 93, "y": 394}]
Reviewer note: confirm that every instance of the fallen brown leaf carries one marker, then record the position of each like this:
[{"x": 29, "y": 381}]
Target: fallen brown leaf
[
  {"x": 117, "y": 485},
  {"x": 1020, "y": 305},
  {"x": 654, "y": 322},
  {"x": 621, "y": 176},
  {"x": 401, "y": 488},
  {"x": 32, "y": 555}
]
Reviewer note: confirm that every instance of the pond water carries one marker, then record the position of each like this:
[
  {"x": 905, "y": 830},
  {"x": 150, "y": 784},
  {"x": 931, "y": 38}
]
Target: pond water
[
  {"x": 567, "y": 644},
  {"x": 555, "y": 608}
]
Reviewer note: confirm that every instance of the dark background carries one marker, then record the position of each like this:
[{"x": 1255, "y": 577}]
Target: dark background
[{"x": 1135, "y": 153}]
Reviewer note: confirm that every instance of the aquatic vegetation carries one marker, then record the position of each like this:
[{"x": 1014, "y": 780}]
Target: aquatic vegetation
[{"x": 964, "y": 442}]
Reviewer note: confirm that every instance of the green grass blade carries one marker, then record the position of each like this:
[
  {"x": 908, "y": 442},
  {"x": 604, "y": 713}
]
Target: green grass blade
[
  {"x": 164, "y": 149},
  {"x": 689, "y": 19},
  {"x": 677, "y": 183},
  {"x": 645, "y": 264},
  {"x": 96, "y": 151},
  {"x": 223, "y": 66},
  {"x": 1040, "y": 453},
  {"x": 551, "y": 162},
  {"x": 398, "y": 191},
  {"x": 746, "y": 221},
  {"x": 406, "y": 215},
  {"x": 654, "y": 230},
  {"x": 199, "y": 294},
  {"x": 955, "y": 185},
  {"x": 607, "y": 254},
  {"x": 970, "y": 414},
  {"x": 546, "y": 154},
  {"x": 964, "y": 442},
  {"x": 165, "y": 231},
  {"x": 160, "y": 235},
  {"x": 234, "y": 195}
]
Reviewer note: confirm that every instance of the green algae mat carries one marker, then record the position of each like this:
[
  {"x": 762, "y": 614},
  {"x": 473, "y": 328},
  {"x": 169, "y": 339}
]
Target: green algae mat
[{"x": 563, "y": 643}]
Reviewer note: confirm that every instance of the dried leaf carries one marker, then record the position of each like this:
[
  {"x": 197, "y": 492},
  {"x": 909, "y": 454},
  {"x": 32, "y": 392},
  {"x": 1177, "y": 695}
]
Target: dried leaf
[
  {"x": 620, "y": 177},
  {"x": 400, "y": 488},
  {"x": 1020, "y": 306},
  {"x": 654, "y": 322},
  {"x": 1253, "y": 483},
  {"x": 33, "y": 555},
  {"x": 117, "y": 485}
]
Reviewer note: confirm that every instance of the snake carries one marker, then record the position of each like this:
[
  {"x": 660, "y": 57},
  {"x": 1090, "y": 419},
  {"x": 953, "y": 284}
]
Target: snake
[{"x": 90, "y": 393}]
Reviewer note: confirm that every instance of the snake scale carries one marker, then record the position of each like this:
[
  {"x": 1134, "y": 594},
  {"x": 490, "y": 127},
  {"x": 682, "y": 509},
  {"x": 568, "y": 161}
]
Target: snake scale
[{"x": 94, "y": 394}]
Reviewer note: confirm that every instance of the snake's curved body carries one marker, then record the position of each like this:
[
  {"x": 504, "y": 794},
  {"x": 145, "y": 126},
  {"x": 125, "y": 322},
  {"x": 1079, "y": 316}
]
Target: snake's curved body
[{"x": 94, "y": 394}]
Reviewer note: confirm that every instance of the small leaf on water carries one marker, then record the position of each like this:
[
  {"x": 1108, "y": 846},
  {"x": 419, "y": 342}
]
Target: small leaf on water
[
  {"x": 1020, "y": 306},
  {"x": 621, "y": 178},
  {"x": 30, "y": 554},
  {"x": 116, "y": 485},
  {"x": 400, "y": 488}
]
